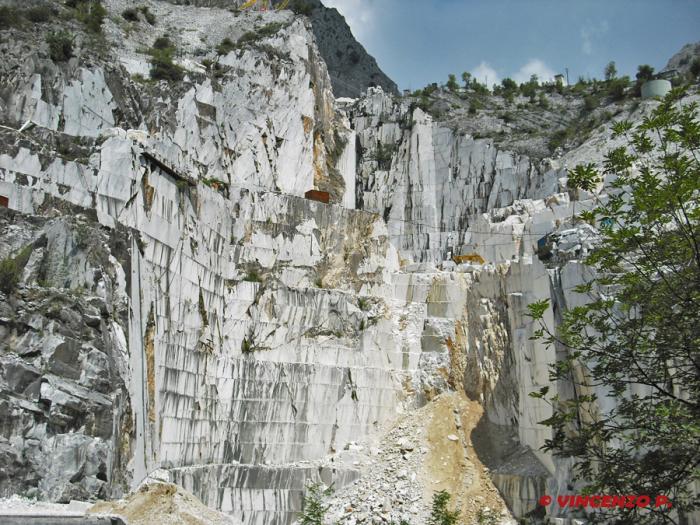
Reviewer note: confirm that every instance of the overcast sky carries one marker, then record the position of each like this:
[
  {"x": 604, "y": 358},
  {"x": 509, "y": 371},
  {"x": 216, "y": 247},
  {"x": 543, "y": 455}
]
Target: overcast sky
[{"x": 417, "y": 42}]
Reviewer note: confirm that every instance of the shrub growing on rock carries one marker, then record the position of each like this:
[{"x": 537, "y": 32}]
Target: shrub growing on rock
[
  {"x": 9, "y": 17},
  {"x": 225, "y": 47},
  {"x": 488, "y": 516},
  {"x": 261, "y": 32},
  {"x": 150, "y": 17},
  {"x": 60, "y": 45},
  {"x": 90, "y": 13},
  {"x": 440, "y": 514},
  {"x": 314, "y": 510},
  {"x": 39, "y": 14},
  {"x": 253, "y": 277},
  {"x": 300, "y": 7},
  {"x": 384, "y": 155},
  {"x": 130, "y": 14},
  {"x": 695, "y": 67},
  {"x": 162, "y": 65},
  {"x": 163, "y": 68},
  {"x": 163, "y": 43},
  {"x": 617, "y": 88},
  {"x": 11, "y": 269}
]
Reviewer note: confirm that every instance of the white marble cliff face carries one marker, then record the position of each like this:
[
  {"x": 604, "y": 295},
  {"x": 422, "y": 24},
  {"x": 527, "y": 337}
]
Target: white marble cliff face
[
  {"x": 437, "y": 180},
  {"x": 249, "y": 356},
  {"x": 265, "y": 331}
]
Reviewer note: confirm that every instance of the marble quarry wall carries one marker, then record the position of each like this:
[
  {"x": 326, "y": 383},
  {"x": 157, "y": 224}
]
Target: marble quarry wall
[{"x": 184, "y": 307}]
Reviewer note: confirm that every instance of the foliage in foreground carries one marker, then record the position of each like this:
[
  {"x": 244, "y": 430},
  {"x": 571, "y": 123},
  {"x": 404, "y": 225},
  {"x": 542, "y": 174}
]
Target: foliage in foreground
[
  {"x": 314, "y": 510},
  {"x": 638, "y": 337},
  {"x": 440, "y": 513}
]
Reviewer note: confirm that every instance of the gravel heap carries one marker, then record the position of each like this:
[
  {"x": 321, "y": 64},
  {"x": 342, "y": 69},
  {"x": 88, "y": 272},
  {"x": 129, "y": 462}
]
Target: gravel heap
[
  {"x": 425, "y": 451},
  {"x": 157, "y": 502}
]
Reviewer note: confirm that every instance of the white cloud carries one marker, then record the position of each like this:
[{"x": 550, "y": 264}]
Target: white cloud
[
  {"x": 591, "y": 32},
  {"x": 485, "y": 74},
  {"x": 586, "y": 44},
  {"x": 534, "y": 67},
  {"x": 359, "y": 14}
]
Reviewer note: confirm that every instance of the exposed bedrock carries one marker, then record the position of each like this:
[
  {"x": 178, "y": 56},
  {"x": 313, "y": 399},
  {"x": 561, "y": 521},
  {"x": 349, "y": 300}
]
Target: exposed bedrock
[
  {"x": 244, "y": 348},
  {"x": 66, "y": 410},
  {"x": 428, "y": 181},
  {"x": 177, "y": 303}
]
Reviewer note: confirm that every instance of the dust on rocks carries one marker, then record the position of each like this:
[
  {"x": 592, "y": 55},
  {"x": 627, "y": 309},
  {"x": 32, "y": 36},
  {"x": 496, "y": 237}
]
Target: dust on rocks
[{"x": 424, "y": 451}]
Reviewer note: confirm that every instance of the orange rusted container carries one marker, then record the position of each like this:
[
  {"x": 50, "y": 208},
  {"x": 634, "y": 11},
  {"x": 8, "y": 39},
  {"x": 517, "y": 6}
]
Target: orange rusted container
[
  {"x": 471, "y": 258},
  {"x": 4, "y": 201},
  {"x": 320, "y": 196}
]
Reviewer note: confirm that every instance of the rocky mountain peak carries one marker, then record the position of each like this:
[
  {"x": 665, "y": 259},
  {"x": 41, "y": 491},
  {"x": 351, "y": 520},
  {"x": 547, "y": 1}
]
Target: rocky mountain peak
[
  {"x": 683, "y": 61},
  {"x": 352, "y": 70}
]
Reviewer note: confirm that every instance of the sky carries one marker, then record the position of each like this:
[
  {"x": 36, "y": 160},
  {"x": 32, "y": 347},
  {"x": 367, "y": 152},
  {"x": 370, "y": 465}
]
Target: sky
[{"x": 418, "y": 42}]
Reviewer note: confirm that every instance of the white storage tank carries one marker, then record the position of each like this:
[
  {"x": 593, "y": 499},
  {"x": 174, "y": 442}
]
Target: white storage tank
[{"x": 655, "y": 88}]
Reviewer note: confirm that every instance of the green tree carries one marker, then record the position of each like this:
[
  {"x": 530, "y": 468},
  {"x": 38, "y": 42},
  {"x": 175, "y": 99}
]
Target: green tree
[
  {"x": 314, "y": 510},
  {"x": 466, "y": 78},
  {"x": 529, "y": 88},
  {"x": 610, "y": 71},
  {"x": 645, "y": 72},
  {"x": 617, "y": 87},
  {"x": 479, "y": 88},
  {"x": 509, "y": 84},
  {"x": 440, "y": 514},
  {"x": 582, "y": 177},
  {"x": 452, "y": 84},
  {"x": 637, "y": 340},
  {"x": 508, "y": 89}
]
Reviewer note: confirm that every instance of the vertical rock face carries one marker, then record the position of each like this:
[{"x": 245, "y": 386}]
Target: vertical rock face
[
  {"x": 428, "y": 181},
  {"x": 65, "y": 408},
  {"x": 174, "y": 301},
  {"x": 241, "y": 357}
]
